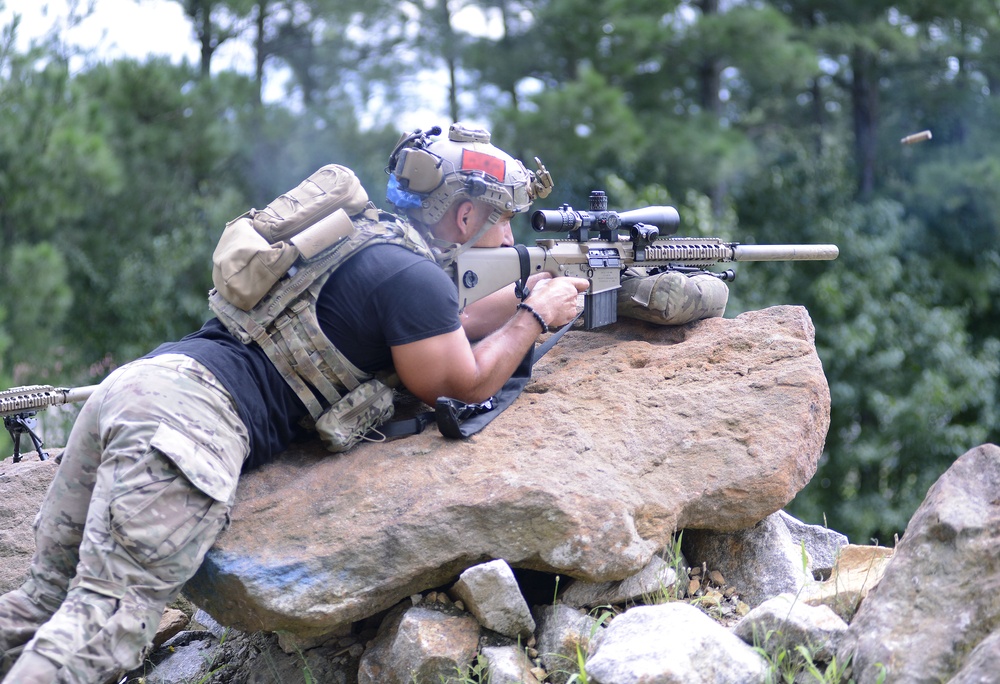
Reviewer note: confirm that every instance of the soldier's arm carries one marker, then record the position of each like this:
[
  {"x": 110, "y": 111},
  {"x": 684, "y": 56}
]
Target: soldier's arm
[
  {"x": 488, "y": 314},
  {"x": 449, "y": 366}
]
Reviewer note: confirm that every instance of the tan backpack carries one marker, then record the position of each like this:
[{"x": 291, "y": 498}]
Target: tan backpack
[{"x": 259, "y": 247}]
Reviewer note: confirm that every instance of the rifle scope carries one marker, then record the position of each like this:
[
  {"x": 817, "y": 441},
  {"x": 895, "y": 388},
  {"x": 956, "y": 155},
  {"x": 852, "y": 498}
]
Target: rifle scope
[{"x": 600, "y": 219}]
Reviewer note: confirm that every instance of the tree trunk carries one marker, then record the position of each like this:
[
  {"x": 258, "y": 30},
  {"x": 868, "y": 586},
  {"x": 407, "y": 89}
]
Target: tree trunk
[
  {"x": 818, "y": 113},
  {"x": 505, "y": 41},
  {"x": 260, "y": 48},
  {"x": 708, "y": 70},
  {"x": 864, "y": 103},
  {"x": 709, "y": 82},
  {"x": 449, "y": 50},
  {"x": 204, "y": 8}
]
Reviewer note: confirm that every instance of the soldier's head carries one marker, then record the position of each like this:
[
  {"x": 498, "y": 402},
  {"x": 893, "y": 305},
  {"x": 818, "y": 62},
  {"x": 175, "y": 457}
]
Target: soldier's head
[{"x": 436, "y": 182}]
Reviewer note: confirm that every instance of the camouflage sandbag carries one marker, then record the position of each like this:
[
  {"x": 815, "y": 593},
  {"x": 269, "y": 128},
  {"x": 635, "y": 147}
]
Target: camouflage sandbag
[
  {"x": 672, "y": 298},
  {"x": 349, "y": 420}
]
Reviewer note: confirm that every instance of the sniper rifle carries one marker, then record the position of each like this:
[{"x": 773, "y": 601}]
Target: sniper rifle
[
  {"x": 596, "y": 250},
  {"x": 19, "y": 405}
]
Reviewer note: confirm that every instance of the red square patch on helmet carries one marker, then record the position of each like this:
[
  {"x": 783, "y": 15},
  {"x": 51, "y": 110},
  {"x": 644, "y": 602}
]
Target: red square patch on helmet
[{"x": 479, "y": 161}]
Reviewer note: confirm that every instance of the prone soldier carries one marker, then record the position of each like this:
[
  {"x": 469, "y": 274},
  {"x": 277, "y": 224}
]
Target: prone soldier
[{"x": 150, "y": 469}]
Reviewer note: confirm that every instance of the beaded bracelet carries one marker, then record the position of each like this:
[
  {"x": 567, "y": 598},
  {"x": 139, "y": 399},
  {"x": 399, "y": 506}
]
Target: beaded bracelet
[{"x": 538, "y": 317}]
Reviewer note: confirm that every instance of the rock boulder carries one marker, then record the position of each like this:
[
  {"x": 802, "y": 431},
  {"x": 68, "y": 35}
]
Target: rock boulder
[
  {"x": 624, "y": 436},
  {"x": 22, "y": 488},
  {"x": 937, "y": 607}
]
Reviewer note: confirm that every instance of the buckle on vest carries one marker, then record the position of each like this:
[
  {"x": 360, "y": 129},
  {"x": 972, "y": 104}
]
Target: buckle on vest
[{"x": 288, "y": 316}]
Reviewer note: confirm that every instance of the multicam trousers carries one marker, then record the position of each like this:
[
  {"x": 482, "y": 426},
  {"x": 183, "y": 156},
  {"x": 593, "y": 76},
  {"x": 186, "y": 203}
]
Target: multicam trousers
[{"x": 145, "y": 485}]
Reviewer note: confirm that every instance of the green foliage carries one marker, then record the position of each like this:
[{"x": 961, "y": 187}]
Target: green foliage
[
  {"x": 476, "y": 673},
  {"x": 911, "y": 390},
  {"x": 142, "y": 246},
  {"x": 790, "y": 663},
  {"x": 580, "y": 676},
  {"x": 582, "y": 130},
  {"x": 35, "y": 280},
  {"x": 44, "y": 144}
]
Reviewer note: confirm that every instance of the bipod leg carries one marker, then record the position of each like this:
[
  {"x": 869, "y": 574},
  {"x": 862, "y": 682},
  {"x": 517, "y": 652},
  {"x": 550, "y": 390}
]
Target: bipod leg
[
  {"x": 16, "y": 436},
  {"x": 21, "y": 424}
]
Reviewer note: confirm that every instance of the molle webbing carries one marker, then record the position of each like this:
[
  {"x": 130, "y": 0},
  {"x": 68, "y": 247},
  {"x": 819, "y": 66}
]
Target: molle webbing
[{"x": 285, "y": 324}]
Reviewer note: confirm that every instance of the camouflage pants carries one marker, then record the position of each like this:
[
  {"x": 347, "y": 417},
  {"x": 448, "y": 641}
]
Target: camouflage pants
[
  {"x": 671, "y": 298},
  {"x": 144, "y": 487}
]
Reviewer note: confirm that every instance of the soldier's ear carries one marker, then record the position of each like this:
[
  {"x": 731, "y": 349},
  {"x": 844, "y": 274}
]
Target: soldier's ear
[{"x": 465, "y": 219}]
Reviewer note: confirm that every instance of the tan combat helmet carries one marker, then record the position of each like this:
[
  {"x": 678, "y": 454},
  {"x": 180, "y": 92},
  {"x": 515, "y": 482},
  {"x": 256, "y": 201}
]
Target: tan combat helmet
[{"x": 428, "y": 175}]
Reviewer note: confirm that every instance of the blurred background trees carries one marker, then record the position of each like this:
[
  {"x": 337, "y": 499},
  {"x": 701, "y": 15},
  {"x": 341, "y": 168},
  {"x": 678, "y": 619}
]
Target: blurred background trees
[{"x": 762, "y": 121}]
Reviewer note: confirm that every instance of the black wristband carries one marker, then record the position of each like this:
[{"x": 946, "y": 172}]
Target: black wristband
[{"x": 538, "y": 317}]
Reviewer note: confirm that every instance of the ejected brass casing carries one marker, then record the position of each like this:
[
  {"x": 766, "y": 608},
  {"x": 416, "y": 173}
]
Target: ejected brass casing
[{"x": 916, "y": 137}]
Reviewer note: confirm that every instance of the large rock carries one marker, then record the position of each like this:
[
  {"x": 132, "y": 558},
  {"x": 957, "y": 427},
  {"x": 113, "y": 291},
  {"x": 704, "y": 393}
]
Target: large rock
[
  {"x": 761, "y": 561},
  {"x": 22, "y": 488},
  {"x": 784, "y": 622},
  {"x": 658, "y": 579},
  {"x": 823, "y": 546},
  {"x": 418, "y": 644},
  {"x": 490, "y": 592},
  {"x": 939, "y": 599},
  {"x": 564, "y": 634},
  {"x": 625, "y": 435},
  {"x": 672, "y": 643},
  {"x": 855, "y": 573}
]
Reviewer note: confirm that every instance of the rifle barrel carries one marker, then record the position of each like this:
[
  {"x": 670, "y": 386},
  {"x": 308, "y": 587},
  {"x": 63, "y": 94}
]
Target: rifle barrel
[
  {"x": 79, "y": 394},
  {"x": 785, "y": 252}
]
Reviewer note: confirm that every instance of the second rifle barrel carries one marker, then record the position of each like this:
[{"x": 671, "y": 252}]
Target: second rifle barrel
[
  {"x": 785, "y": 252},
  {"x": 78, "y": 394}
]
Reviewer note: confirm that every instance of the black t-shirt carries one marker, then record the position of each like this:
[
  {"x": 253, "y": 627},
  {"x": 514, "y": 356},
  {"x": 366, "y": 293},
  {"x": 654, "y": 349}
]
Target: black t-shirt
[{"x": 384, "y": 296}]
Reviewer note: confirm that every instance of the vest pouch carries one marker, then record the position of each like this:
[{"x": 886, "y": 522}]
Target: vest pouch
[
  {"x": 245, "y": 266},
  {"x": 348, "y": 421},
  {"x": 326, "y": 190},
  {"x": 323, "y": 234}
]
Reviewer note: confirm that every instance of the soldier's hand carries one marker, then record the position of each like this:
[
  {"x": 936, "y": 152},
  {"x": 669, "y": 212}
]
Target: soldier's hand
[{"x": 555, "y": 299}]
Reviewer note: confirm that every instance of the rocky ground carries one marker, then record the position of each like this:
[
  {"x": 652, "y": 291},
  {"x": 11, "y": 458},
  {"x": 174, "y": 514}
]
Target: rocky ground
[
  {"x": 210, "y": 654},
  {"x": 365, "y": 549}
]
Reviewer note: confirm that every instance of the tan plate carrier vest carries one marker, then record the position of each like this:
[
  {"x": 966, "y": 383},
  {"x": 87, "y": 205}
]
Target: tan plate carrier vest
[{"x": 284, "y": 322}]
